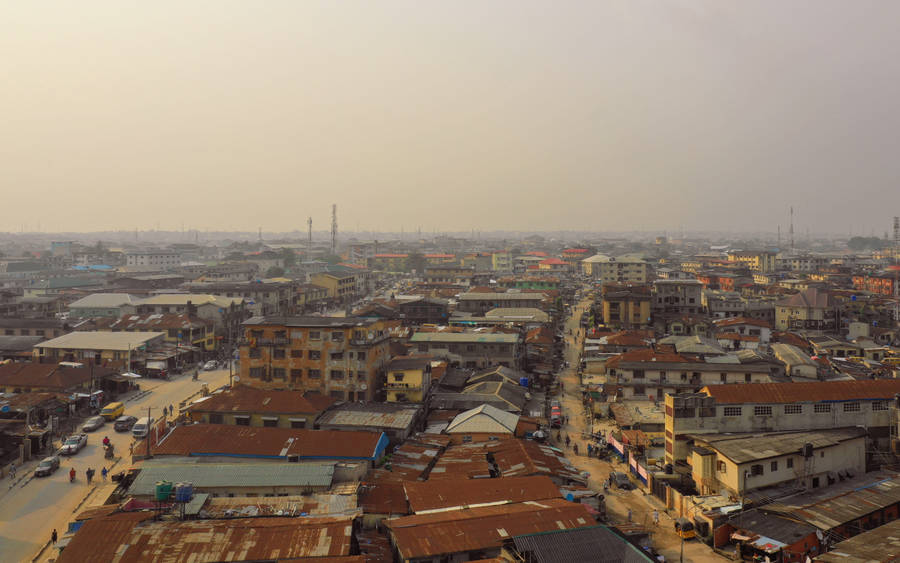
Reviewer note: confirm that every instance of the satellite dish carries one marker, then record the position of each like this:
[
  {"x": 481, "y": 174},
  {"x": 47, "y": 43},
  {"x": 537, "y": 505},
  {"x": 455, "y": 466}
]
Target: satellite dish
[
  {"x": 237, "y": 378},
  {"x": 364, "y": 386}
]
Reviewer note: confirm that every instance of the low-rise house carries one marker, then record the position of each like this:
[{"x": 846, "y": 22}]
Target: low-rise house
[
  {"x": 780, "y": 407},
  {"x": 180, "y": 328},
  {"x": 770, "y": 536},
  {"x": 243, "y": 405},
  {"x": 456, "y": 494},
  {"x": 479, "y": 533},
  {"x": 218, "y": 442},
  {"x": 810, "y": 309},
  {"x": 470, "y": 349},
  {"x": 580, "y": 544},
  {"x": 485, "y": 420},
  {"x": 482, "y": 302},
  {"x": 738, "y": 463},
  {"x": 134, "y": 536},
  {"x": 408, "y": 379},
  {"x": 797, "y": 363},
  {"x": 396, "y": 421},
  {"x": 234, "y": 479},
  {"x": 45, "y": 328},
  {"x": 878, "y": 544},
  {"x": 100, "y": 305},
  {"x": 113, "y": 348},
  {"x": 745, "y": 326},
  {"x": 18, "y": 348},
  {"x": 54, "y": 378}
]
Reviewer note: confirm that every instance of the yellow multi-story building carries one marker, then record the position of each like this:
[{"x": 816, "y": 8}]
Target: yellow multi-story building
[
  {"x": 758, "y": 261},
  {"x": 341, "y": 287},
  {"x": 342, "y": 357},
  {"x": 408, "y": 379},
  {"x": 626, "y": 306}
]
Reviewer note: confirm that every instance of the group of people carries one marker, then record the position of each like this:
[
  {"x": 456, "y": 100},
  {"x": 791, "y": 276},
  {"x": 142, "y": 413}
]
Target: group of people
[{"x": 89, "y": 474}]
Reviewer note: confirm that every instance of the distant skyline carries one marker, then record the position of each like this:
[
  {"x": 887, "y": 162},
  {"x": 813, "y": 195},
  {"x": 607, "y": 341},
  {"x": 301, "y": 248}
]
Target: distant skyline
[{"x": 507, "y": 115}]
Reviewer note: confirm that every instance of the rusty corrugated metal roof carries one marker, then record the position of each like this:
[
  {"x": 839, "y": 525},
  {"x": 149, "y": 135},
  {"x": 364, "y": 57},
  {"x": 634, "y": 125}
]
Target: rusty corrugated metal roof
[
  {"x": 804, "y": 392},
  {"x": 447, "y": 493},
  {"x": 454, "y": 531}
]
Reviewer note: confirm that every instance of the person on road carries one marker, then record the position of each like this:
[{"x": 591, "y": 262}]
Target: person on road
[
  {"x": 629, "y": 514},
  {"x": 171, "y": 410},
  {"x": 106, "y": 440},
  {"x": 567, "y": 440},
  {"x": 656, "y": 517},
  {"x": 103, "y": 473},
  {"x": 590, "y": 449},
  {"x": 72, "y": 474},
  {"x": 89, "y": 474},
  {"x": 53, "y": 536},
  {"x": 12, "y": 470},
  {"x": 575, "y": 449}
]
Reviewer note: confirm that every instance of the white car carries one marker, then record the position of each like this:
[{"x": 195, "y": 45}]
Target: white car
[
  {"x": 210, "y": 365},
  {"x": 73, "y": 444}
]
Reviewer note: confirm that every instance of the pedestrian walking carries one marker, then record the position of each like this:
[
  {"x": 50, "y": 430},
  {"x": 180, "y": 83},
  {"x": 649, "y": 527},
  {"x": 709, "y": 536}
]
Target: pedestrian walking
[
  {"x": 104, "y": 472},
  {"x": 575, "y": 449},
  {"x": 590, "y": 449},
  {"x": 53, "y": 536},
  {"x": 89, "y": 474},
  {"x": 12, "y": 470},
  {"x": 567, "y": 440},
  {"x": 171, "y": 410},
  {"x": 656, "y": 517},
  {"x": 629, "y": 515}
]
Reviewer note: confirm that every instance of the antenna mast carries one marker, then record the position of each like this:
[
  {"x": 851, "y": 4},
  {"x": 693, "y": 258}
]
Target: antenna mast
[
  {"x": 792, "y": 229},
  {"x": 309, "y": 239},
  {"x": 334, "y": 229}
]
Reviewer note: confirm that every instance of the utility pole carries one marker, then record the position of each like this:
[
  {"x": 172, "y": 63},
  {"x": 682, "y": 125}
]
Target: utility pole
[{"x": 149, "y": 430}]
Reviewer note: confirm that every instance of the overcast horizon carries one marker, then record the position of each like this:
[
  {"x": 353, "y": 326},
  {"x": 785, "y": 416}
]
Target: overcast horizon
[{"x": 501, "y": 116}]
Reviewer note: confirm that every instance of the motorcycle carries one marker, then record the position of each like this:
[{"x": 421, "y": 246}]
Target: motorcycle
[{"x": 109, "y": 452}]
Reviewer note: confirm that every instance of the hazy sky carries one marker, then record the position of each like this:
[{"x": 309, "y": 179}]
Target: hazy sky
[{"x": 451, "y": 115}]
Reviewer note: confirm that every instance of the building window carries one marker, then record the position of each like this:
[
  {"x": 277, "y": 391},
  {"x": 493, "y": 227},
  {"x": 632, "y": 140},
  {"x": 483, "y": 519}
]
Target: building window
[
  {"x": 337, "y": 336},
  {"x": 723, "y": 468},
  {"x": 732, "y": 411},
  {"x": 315, "y": 335},
  {"x": 254, "y": 353},
  {"x": 296, "y": 353},
  {"x": 852, "y": 407},
  {"x": 278, "y": 353},
  {"x": 296, "y": 374},
  {"x": 296, "y": 423},
  {"x": 362, "y": 375},
  {"x": 822, "y": 407},
  {"x": 337, "y": 356},
  {"x": 256, "y": 373},
  {"x": 337, "y": 374},
  {"x": 278, "y": 373},
  {"x": 756, "y": 469},
  {"x": 774, "y": 466},
  {"x": 399, "y": 376},
  {"x": 315, "y": 355},
  {"x": 242, "y": 420},
  {"x": 790, "y": 463},
  {"x": 215, "y": 418},
  {"x": 314, "y": 374},
  {"x": 747, "y": 378},
  {"x": 762, "y": 410},
  {"x": 879, "y": 406},
  {"x": 793, "y": 409},
  {"x": 270, "y": 422},
  {"x": 360, "y": 355}
]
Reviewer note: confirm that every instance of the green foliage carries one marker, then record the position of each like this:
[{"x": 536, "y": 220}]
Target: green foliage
[
  {"x": 866, "y": 243},
  {"x": 274, "y": 272}
]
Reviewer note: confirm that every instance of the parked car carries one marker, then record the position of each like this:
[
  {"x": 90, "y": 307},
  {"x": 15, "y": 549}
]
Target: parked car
[
  {"x": 93, "y": 423},
  {"x": 124, "y": 423},
  {"x": 73, "y": 444},
  {"x": 620, "y": 480},
  {"x": 47, "y": 466},
  {"x": 210, "y": 365}
]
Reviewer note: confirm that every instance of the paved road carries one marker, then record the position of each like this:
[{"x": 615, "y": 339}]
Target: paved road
[
  {"x": 33, "y": 507},
  {"x": 618, "y": 502}
]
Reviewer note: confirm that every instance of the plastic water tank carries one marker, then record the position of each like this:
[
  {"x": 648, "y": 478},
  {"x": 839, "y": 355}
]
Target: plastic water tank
[
  {"x": 163, "y": 490},
  {"x": 184, "y": 492}
]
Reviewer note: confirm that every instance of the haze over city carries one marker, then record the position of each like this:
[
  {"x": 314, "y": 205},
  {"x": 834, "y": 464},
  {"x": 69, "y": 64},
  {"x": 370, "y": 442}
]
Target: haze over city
[{"x": 497, "y": 116}]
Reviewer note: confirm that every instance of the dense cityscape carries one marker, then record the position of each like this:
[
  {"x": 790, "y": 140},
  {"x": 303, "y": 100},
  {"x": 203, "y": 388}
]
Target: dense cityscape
[{"x": 434, "y": 397}]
